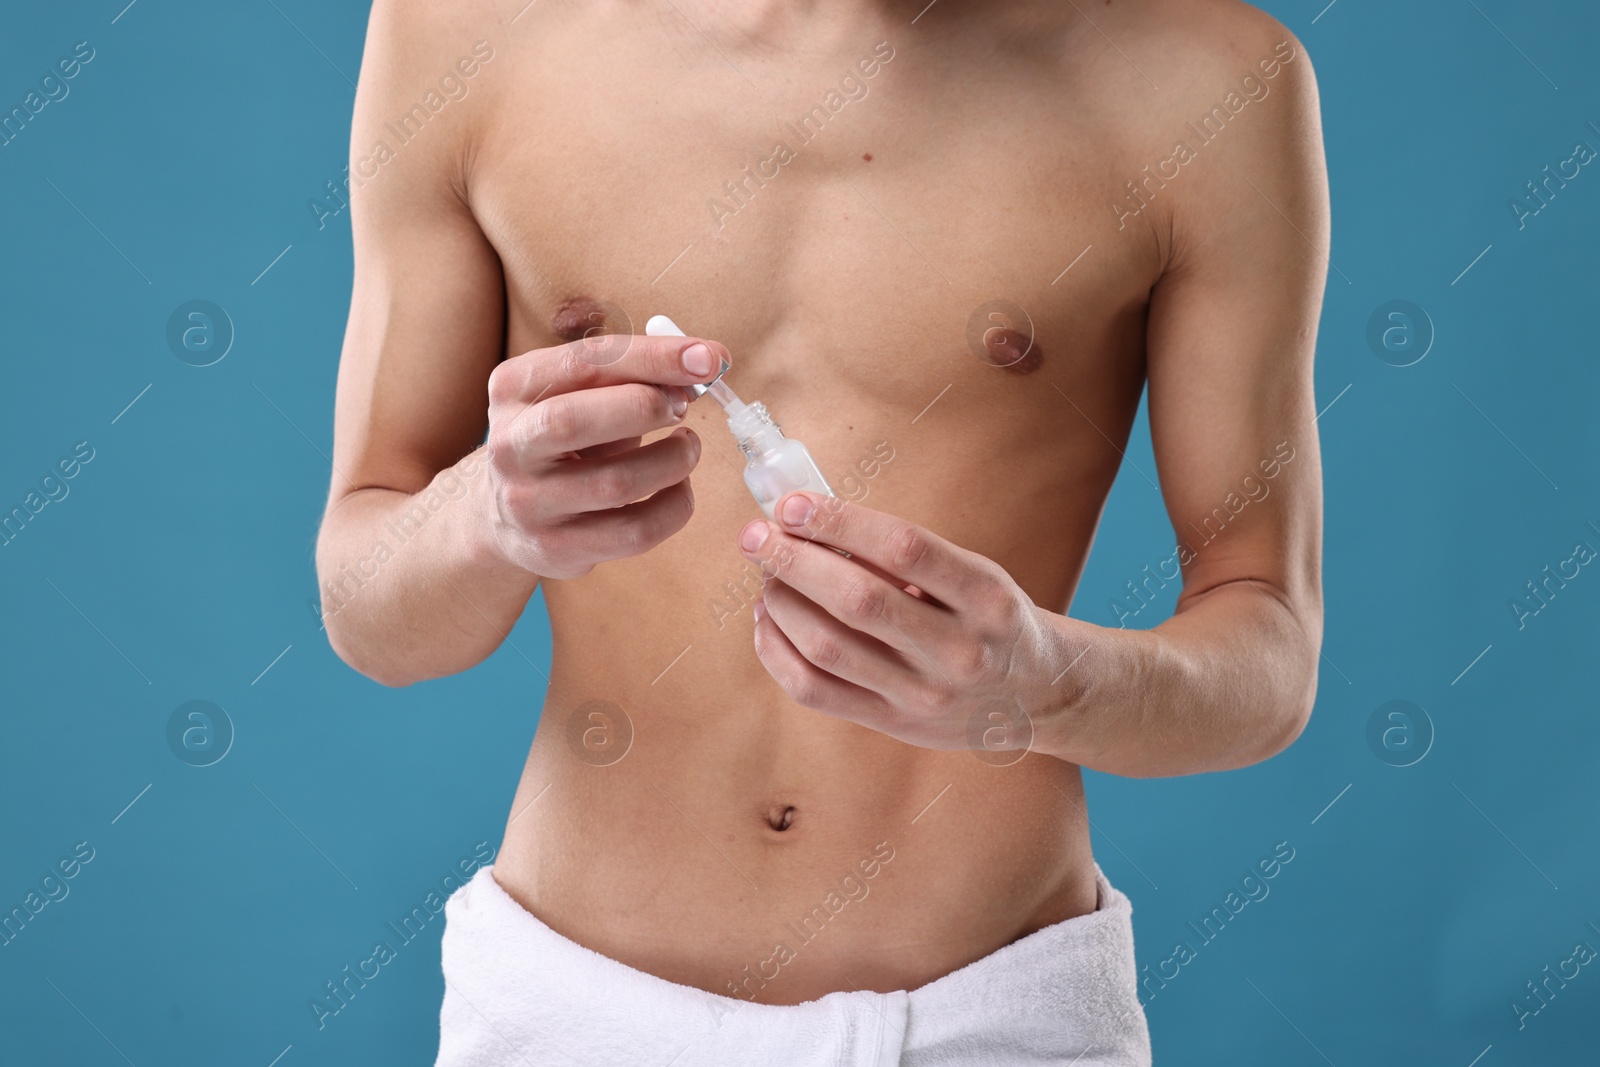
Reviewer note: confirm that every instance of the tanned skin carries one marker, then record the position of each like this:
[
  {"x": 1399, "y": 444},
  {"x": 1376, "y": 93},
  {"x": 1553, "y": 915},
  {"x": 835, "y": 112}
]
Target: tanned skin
[{"x": 775, "y": 747}]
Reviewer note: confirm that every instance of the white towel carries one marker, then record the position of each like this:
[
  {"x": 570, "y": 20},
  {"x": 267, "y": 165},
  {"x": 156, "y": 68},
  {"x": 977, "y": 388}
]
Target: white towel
[{"x": 518, "y": 994}]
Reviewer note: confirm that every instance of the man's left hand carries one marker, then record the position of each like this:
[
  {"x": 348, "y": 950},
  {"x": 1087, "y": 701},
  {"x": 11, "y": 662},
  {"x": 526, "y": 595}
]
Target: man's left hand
[{"x": 911, "y": 635}]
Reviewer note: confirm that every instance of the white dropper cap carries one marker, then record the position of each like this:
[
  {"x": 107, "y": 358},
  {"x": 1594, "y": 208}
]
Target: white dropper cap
[{"x": 661, "y": 326}]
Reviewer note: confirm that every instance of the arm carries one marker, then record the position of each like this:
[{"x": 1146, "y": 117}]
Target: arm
[
  {"x": 1231, "y": 677},
  {"x": 410, "y": 594},
  {"x": 434, "y": 538},
  {"x": 1228, "y": 680}
]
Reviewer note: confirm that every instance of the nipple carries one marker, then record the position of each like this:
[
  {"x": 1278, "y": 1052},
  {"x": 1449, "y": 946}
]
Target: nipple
[
  {"x": 580, "y": 317},
  {"x": 1010, "y": 350}
]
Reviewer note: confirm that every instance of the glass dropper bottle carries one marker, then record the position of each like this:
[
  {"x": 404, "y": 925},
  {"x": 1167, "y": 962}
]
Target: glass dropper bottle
[{"x": 775, "y": 465}]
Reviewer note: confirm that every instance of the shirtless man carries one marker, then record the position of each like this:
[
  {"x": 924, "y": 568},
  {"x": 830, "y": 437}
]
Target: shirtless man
[{"x": 947, "y": 251}]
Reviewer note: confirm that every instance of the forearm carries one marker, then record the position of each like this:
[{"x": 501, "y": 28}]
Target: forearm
[
  {"x": 1226, "y": 682},
  {"x": 412, "y": 586}
]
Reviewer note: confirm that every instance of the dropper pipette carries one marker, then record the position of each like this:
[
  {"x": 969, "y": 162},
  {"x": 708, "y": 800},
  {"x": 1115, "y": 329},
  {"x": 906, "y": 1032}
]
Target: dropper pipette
[
  {"x": 661, "y": 326},
  {"x": 777, "y": 464}
]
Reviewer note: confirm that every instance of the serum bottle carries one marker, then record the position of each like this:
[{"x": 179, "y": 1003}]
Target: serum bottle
[{"x": 775, "y": 465}]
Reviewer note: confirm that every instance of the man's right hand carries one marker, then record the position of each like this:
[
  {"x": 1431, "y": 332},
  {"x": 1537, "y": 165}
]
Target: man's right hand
[{"x": 570, "y": 484}]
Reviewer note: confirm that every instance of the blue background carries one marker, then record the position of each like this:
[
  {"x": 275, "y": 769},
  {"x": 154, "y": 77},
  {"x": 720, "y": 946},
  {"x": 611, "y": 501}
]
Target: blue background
[{"x": 180, "y": 566}]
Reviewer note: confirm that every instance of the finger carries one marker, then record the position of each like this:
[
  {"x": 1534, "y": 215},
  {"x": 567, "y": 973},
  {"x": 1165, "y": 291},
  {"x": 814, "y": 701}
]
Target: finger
[
  {"x": 626, "y": 531},
  {"x": 808, "y": 686},
  {"x": 831, "y": 646},
  {"x": 581, "y": 485},
  {"x": 606, "y": 359},
  {"x": 608, "y": 449},
  {"x": 572, "y": 422},
  {"x": 858, "y": 596},
  {"x": 906, "y": 551}
]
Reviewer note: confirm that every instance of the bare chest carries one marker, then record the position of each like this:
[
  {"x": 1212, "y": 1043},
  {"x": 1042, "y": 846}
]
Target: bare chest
[{"x": 861, "y": 228}]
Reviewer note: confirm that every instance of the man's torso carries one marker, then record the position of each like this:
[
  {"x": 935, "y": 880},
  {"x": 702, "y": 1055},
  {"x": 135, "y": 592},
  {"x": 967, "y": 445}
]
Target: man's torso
[{"x": 627, "y": 162}]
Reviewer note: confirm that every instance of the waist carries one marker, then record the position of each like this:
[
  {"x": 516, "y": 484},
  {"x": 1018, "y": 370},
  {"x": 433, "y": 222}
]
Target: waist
[{"x": 700, "y": 843}]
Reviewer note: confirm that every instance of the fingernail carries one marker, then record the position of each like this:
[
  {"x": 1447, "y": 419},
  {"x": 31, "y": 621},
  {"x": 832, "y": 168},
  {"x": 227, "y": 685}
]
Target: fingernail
[
  {"x": 697, "y": 360},
  {"x": 753, "y": 536},
  {"x": 796, "y": 510},
  {"x": 760, "y": 609},
  {"x": 694, "y": 441},
  {"x": 679, "y": 401}
]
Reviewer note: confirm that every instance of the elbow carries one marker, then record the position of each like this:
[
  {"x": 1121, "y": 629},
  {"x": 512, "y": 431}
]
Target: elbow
[
  {"x": 1292, "y": 724},
  {"x": 1291, "y": 714},
  {"x": 350, "y": 640},
  {"x": 379, "y": 673},
  {"x": 346, "y": 640},
  {"x": 361, "y": 661},
  {"x": 1293, "y": 677}
]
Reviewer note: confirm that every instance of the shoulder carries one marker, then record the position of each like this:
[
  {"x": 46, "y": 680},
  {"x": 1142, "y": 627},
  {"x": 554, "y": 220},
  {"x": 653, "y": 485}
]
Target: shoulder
[
  {"x": 413, "y": 29},
  {"x": 414, "y": 41},
  {"x": 1225, "y": 54},
  {"x": 1169, "y": 75},
  {"x": 1235, "y": 110},
  {"x": 427, "y": 71},
  {"x": 1196, "y": 36},
  {"x": 417, "y": 46}
]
